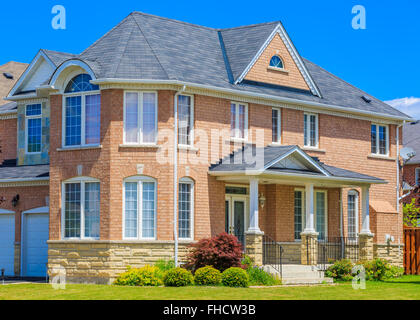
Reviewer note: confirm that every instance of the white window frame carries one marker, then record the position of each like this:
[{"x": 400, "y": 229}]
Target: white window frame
[
  {"x": 377, "y": 139},
  {"x": 237, "y": 130},
  {"x": 82, "y": 181},
  {"x": 308, "y": 130},
  {"x": 189, "y": 181},
  {"x": 139, "y": 180},
  {"x": 303, "y": 211},
  {"x": 278, "y": 126},
  {"x": 417, "y": 176},
  {"x": 83, "y": 96},
  {"x": 325, "y": 192},
  {"x": 26, "y": 127},
  {"x": 191, "y": 120},
  {"x": 356, "y": 209},
  {"x": 140, "y": 118}
]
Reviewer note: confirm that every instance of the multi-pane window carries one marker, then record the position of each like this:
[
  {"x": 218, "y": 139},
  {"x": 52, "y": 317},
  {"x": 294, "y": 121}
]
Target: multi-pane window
[
  {"x": 81, "y": 209},
  {"x": 379, "y": 139},
  {"x": 238, "y": 120},
  {"x": 185, "y": 209},
  {"x": 185, "y": 120},
  {"x": 310, "y": 130},
  {"x": 82, "y": 112},
  {"x": 417, "y": 176},
  {"x": 276, "y": 62},
  {"x": 33, "y": 128},
  {"x": 352, "y": 211},
  {"x": 139, "y": 208},
  {"x": 276, "y": 125},
  {"x": 298, "y": 214},
  {"x": 320, "y": 215},
  {"x": 140, "y": 118}
]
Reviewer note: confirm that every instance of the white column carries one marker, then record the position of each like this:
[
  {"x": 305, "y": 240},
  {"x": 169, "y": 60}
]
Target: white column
[
  {"x": 309, "y": 208},
  {"x": 365, "y": 211},
  {"x": 253, "y": 207}
]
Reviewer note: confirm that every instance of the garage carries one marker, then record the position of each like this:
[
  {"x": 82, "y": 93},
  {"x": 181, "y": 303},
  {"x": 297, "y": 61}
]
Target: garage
[
  {"x": 34, "y": 242},
  {"x": 7, "y": 241}
]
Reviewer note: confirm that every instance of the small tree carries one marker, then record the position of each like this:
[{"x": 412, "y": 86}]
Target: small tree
[
  {"x": 411, "y": 214},
  {"x": 222, "y": 252}
]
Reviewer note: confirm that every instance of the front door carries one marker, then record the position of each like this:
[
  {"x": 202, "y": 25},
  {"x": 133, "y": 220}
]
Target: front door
[{"x": 235, "y": 218}]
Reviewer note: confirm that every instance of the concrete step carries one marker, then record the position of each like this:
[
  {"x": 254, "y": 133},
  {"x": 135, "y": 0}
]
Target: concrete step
[
  {"x": 306, "y": 281},
  {"x": 303, "y": 275}
]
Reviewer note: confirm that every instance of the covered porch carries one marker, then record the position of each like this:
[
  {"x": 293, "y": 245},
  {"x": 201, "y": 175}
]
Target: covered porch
[{"x": 284, "y": 205}]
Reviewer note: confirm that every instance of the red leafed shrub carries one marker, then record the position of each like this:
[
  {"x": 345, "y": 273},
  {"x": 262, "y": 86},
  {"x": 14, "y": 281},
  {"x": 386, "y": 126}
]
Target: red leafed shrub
[{"x": 222, "y": 252}]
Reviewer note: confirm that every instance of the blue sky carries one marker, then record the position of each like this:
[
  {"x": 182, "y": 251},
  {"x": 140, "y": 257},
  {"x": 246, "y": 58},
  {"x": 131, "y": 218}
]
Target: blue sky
[{"x": 382, "y": 60}]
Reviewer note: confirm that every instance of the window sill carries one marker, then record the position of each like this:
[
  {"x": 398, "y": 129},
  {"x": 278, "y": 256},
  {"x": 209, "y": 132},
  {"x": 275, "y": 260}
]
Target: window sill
[
  {"x": 381, "y": 157},
  {"x": 278, "y": 69},
  {"x": 187, "y": 148},
  {"x": 314, "y": 149},
  {"x": 79, "y": 148},
  {"x": 144, "y": 145},
  {"x": 238, "y": 140}
]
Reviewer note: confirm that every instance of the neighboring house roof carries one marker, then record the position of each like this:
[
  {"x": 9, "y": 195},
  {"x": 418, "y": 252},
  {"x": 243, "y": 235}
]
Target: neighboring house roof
[
  {"x": 9, "y": 107},
  {"x": 283, "y": 160},
  {"x": 411, "y": 139},
  {"x": 147, "y": 47},
  {"x": 9, "y": 171},
  {"x": 15, "y": 69}
]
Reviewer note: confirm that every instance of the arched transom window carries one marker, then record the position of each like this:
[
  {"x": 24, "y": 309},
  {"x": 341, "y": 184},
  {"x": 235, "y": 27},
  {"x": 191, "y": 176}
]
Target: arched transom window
[{"x": 276, "y": 62}]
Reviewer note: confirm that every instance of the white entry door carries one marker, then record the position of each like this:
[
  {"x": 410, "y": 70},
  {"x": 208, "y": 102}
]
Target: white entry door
[
  {"x": 235, "y": 219},
  {"x": 34, "y": 244},
  {"x": 7, "y": 243}
]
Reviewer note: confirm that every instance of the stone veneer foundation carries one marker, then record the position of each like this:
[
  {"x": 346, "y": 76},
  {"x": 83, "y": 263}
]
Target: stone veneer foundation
[{"x": 101, "y": 261}]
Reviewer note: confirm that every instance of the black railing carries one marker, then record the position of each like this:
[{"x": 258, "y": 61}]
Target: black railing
[
  {"x": 272, "y": 254},
  {"x": 334, "y": 249}
]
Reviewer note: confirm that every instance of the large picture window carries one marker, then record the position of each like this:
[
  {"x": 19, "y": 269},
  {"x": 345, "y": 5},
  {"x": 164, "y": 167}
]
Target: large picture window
[
  {"x": 33, "y": 114},
  {"x": 140, "y": 208},
  {"x": 81, "y": 199},
  {"x": 185, "y": 120},
  {"x": 311, "y": 130},
  {"x": 239, "y": 120},
  {"x": 140, "y": 118},
  {"x": 82, "y": 112},
  {"x": 379, "y": 139},
  {"x": 185, "y": 208}
]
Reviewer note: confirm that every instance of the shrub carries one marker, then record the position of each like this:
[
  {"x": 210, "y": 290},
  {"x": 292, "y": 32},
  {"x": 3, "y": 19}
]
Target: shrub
[
  {"x": 235, "y": 277},
  {"x": 247, "y": 262},
  {"x": 207, "y": 276},
  {"x": 221, "y": 252},
  {"x": 145, "y": 276},
  {"x": 259, "y": 277},
  {"x": 164, "y": 265},
  {"x": 380, "y": 269},
  {"x": 341, "y": 270},
  {"x": 177, "y": 277}
]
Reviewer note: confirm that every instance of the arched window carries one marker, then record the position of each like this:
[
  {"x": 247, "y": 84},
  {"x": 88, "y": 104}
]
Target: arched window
[
  {"x": 186, "y": 208},
  {"x": 82, "y": 113},
  {"x": 276, "y": 62},
  {"x": 352, "y": 214},
  {"x": 81, "y": 208},
  {"x": 140, "y": 208}
]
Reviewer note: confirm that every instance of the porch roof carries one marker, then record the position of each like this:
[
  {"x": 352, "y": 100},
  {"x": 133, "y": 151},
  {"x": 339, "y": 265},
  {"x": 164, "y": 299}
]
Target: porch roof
[{"x": 284, "y": 161}]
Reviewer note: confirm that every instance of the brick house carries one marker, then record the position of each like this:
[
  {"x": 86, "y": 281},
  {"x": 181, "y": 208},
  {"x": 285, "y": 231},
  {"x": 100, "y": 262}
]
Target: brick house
[
  {"x": 411, "y": 170},
  {"x": 266, "y": 144}
]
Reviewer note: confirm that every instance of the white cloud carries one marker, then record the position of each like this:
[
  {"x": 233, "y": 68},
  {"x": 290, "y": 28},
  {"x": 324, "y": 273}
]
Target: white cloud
[{"x": 410, "y": 106}]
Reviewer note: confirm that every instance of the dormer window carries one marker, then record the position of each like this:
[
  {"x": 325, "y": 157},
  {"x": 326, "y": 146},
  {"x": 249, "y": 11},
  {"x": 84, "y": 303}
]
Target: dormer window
[{"x": 276, "y": 62}]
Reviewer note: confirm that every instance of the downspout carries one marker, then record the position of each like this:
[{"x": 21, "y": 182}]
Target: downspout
[
  {"x": 175, "y": 186},
  {"x": 398, "y": 173},
  {"x": 341, "y": 222}
]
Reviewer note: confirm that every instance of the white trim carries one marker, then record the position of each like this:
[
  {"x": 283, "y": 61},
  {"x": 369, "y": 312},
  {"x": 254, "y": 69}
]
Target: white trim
[
  {"x": 6, "y": 212},
  {"x": 356, "y": 210},
  {"x": 325, "y": 192},
  {"x": 38, "y": 210},
  {"x": 192, "y": 121},
  {"x": 231, "y": 198},
  {"x": 140, "y": 119},
  {"x": 65, "y": 65},
  {"x": 237, "y": 132},
  {"x": 293, "y": 53},
  {"x": 139, "y": 180},
  {"x": 39, "y": 116},
  {"x": 187, "y": 180},
  {"x": 377, "y": 153},
  {"x": 308, "y": 130},
  {"x": 82, "y": 181},
  {"x": 279, "y": 127}
]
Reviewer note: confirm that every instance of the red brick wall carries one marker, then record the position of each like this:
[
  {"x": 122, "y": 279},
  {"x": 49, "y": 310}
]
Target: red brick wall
[{"x": 409, "y": 176}]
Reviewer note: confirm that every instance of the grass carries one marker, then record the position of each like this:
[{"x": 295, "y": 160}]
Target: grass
[{"x": 406, "y": 288}]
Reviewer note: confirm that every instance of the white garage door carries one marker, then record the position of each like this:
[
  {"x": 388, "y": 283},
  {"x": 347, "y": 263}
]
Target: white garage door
[
  {"x": 7, "y": 243},
  {"x": 35, "y": 248}
]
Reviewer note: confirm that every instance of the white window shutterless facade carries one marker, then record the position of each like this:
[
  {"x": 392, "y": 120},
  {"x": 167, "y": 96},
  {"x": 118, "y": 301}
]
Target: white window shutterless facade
[
  {"x": 81, "y": 113},
  {"x": 276, "y": 125},
  {"x": 186, "y": 209},
  {"x": 80, "y": 217},
  {"x": 33, "y": 115},
  {"x": 379, "y": 139},
  {"x": 140, "y": 117},
  {"x": 139, "y": 208},
  {"x": 239, "y": 120},
  {"x": 185, "y": 120},
  {"x": 352, "y": 214},
  {"x": 320, "y": 213},
  {"x": 311, "y": 130}
]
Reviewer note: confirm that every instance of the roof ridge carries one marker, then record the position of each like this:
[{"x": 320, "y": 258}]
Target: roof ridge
[
  {"x": 61, "y": 52},
  {"x": 250, "y": 25}
]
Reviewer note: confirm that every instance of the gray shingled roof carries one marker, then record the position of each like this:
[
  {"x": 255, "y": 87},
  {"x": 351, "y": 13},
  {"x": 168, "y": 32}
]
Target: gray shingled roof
[
  {"x": 236, "y": 162},
  {"x": 411, "y": 139},
  {"x": 24, "y": 172},
  {"x": 147, "y": 47},
  {"x": 9, "y": 107}
]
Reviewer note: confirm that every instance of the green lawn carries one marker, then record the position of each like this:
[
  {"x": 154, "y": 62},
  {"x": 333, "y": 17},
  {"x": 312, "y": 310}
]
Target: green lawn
[{"x": 407, "y": 288}]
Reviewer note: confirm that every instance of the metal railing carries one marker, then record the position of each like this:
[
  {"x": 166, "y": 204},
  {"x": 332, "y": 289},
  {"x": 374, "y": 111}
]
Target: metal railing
[
  {"x": 272, "y": 254},
  {"x": 333, "y": 249}
]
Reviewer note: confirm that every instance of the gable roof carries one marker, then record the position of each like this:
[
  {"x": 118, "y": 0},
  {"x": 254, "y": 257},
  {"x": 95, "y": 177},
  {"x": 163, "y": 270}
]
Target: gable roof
[
  {"x": 411, "y": 139},
  {"x": 263, "y": 160},
  {"x": 147, "y": 47}
]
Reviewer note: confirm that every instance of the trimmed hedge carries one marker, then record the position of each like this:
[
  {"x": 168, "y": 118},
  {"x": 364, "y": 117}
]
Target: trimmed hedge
[
  {"x": 177, "y": 277},
  {"x": 145, "y": 276},
  {"x": 207, "y": 276},
  {"x": 235, "y": 277}
]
